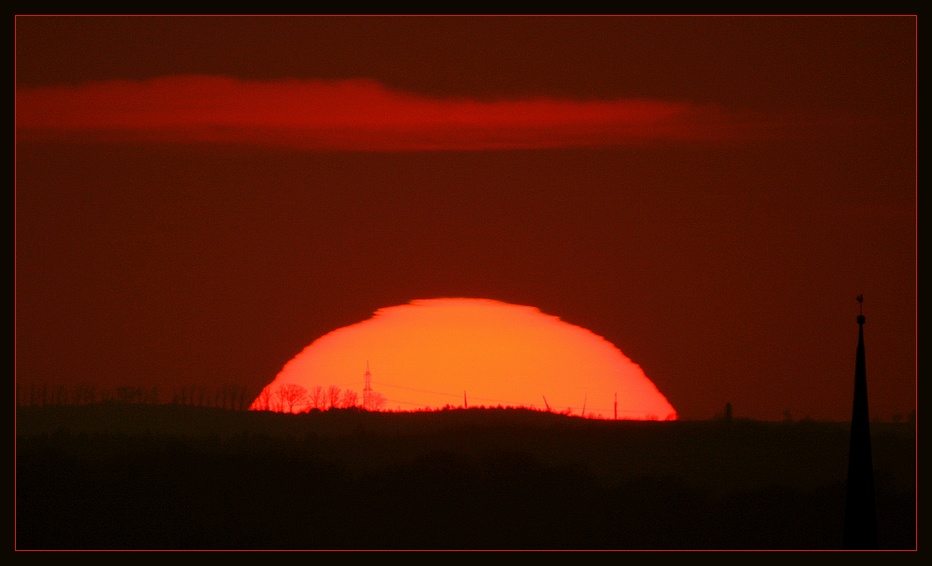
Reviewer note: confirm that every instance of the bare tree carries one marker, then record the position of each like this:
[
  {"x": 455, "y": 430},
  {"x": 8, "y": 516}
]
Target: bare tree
[
  {"x": 22, "y": 397},
  {"x": 59, "y": 395},
  {"x": 289, "y": 395},
  {"x": 376, "y": 401},
  {"x": 106, "y": 395},
  {"x": 317, "y": 398},
  {"x": 241, "y": 398},
  {"x": 333, "y": 397},
  {"x": 127, "y": 394},
  {"x": 203, "y": 396},
  {"x": 230, "y": 396},
  {"x": 263, "y": 401},
  {"x": 82, "y": 394},
  {"x": 180, "y": 396},
  {"x": 349, "y": 399}
]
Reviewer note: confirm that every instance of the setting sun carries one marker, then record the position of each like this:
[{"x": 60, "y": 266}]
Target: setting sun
[{"x": 437, "y": 353}]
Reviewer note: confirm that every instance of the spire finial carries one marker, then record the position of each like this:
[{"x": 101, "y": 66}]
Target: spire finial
[{"x": 861, "y": 318}]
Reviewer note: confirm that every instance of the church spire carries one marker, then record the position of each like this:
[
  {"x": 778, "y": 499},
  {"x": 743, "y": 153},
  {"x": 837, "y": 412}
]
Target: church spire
[{"x": 860, "y": 513}]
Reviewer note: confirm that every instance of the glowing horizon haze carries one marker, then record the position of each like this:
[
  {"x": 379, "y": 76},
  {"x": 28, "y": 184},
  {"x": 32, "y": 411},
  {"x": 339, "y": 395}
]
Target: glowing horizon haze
[{"x": 461, "y": 352}]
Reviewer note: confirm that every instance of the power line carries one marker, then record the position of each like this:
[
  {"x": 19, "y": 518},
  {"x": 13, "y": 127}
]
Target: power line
[
  {"x": 488, "y": 400},
  {"x": 585, "y": 406},
  {"x": 381, "y": 384}
]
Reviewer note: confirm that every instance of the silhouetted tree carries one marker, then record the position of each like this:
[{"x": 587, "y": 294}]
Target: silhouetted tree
[
  {"x": 333, "y": 397},
  {"x": 106, "y": 396},
  {"x": 202, "y": 396},
  {"x": 241, "y": 398},
  {"x": 232, "y": 397},
  {"x": 349, "y": 399},
  {"x": 377, "y": 401},
  {"x": 128, "y": 394},
  {"x": 317, "y": 397},
  {"x": 83, "y": 394},
  {"x": 182, "y": 395},
  {"x": 263, "y": 401},
  {"x": 289, "y": 395},
  {"x": 58, "y": 395}
]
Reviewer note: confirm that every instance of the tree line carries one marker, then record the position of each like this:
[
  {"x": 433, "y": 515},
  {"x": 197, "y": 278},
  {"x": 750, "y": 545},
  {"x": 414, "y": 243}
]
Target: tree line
[
  {"x": 290, "y": 397},
  {"x": 294, "y": 398},
  {"x": 41, "y": 394}
]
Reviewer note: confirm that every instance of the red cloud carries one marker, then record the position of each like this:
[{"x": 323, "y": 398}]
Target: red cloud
[{"x": 349, "y": 115}]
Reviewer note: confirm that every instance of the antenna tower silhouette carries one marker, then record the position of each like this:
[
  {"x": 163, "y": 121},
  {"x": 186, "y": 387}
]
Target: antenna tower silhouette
[{"x": 367, "y": 389}]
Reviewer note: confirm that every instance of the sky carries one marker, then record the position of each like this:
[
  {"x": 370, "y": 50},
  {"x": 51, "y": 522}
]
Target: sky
[{"x": 197, "y": 199}]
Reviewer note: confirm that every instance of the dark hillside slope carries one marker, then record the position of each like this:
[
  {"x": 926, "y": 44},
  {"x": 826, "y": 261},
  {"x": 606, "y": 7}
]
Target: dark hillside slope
[{"x": 175, "y": 477}]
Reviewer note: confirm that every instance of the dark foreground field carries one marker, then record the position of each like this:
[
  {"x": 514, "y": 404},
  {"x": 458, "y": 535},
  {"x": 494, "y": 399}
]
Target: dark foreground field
[{"x": 175, "y": 477}]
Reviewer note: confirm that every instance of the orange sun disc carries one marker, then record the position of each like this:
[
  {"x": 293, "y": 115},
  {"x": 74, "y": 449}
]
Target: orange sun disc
[{"x": 446, "y": 353}]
